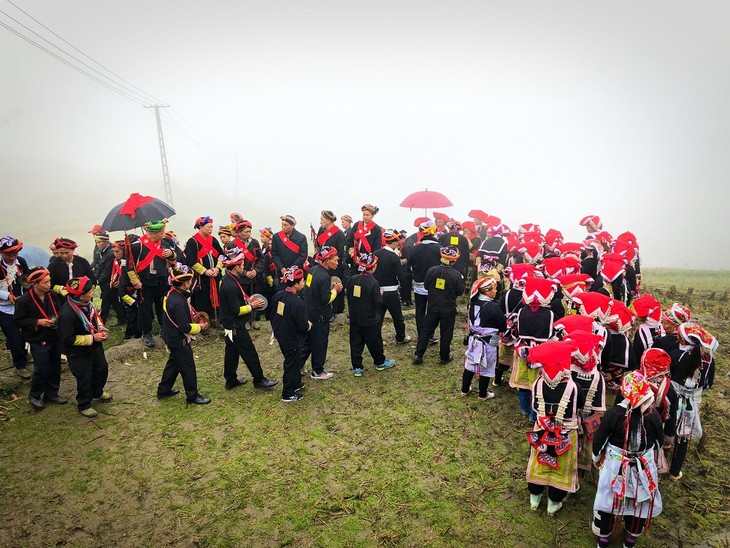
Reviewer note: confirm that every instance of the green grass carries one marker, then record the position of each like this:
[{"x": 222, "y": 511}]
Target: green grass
[{"x": 395, "y": 458}]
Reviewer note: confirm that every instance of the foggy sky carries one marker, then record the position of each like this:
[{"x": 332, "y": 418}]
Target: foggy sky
[{"x": 535, "y": 111}]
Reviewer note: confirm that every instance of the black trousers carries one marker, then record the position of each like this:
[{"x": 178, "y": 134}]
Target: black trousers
[
  {"x": 446, "y": 322},
  {"x": 391, "y": 303},
  {"x": 316, "y": 345},
  {"x": 153, "y": 292},
  {"x": 14, "y": 340},
  {"x": 201, "y": 296},
  {"x": 553, "y": 493},
  {"x": 132, "y": 313},
  {"x": 109, "y": 300},
  {"x": 678, "y": 456},
  {"x": 406, "y": 287},
  {"x": 241, "y": 347},
  {"x": 361, "y": 336},
  {"x": 421, "y": 302},
  {"x": 180, "y": 362},
  {"x": 292, "y": 372},
  {"x": 91, "y": 371},
  {"x": 603, "y": 523},
  {"x": 46, "y": 369},
  {"x": 466, "y": 379}
]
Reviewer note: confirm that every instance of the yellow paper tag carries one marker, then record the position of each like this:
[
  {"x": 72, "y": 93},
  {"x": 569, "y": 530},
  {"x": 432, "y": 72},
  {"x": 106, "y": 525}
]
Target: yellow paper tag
[
  {"x": 309, "y": 280},
  {"x": 454, "y": 240},
  {"x": 356, "y": 291},
  {"x": 440, "y": 283},
  {"x": 280, "y": 308}
]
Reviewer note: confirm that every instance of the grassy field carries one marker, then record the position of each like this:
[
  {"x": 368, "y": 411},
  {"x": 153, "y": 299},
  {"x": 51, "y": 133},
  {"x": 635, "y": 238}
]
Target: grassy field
[{"x": 395, "y": 458}]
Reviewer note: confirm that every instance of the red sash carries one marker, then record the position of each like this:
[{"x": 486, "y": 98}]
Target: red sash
[
  {"x": 326, "y": 235},
  {"x": 288, "y": 243},
  {"x": 361, "y": 236},
  {"x": 205, "y": 246},
  {"x": 154, "y": 249},
  {"x": 116, "y": 272},
  {"x": 246, "y": 253}
]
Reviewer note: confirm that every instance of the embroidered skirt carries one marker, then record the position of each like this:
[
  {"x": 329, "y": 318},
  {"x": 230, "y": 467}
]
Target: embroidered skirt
[
  {"x": 564, "y": 476},
  {"x": 522, "y": 376}
]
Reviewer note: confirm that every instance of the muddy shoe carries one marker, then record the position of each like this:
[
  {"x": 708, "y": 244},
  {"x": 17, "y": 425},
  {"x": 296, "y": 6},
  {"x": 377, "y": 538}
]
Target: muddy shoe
[
  {"x": 553, "y": 507},
  {"x": 105, "y": 397},
  {"x": 387, "y": 364},
  {"x": 265, "y": 384},
  {"x": 36, "y": 403},
  {"x": 56, "y": 399},
  {"x": 535, "y": 502},
  {"x": 89, "y": 412},
  {"x": 23, "y": 372},
  {"x": 291, "y": 399},
  {"x": 148, "y": 340},
  {"x": 256, "y": 325}
]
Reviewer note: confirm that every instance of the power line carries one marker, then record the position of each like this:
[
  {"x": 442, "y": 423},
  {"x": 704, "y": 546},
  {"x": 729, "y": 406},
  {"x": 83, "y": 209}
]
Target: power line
[
  {"x": 178, "y": 128},
  {"x": 129, "y": 90},
  {"x": 64, "y": 61}
]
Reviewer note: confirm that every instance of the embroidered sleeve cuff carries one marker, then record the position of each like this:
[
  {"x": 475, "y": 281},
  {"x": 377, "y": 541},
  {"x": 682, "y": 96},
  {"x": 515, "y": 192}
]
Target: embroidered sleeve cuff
[
  {"x": 199, "y": 269},
  {"x": 333, "y": 296},
  {"x": 245, "y": 309},
  {"x": 128, "y": 300},
  {"x": 84, "y": 340},
  {"x": 133, "y": 277},
  {"x": 194, "y": 328}
]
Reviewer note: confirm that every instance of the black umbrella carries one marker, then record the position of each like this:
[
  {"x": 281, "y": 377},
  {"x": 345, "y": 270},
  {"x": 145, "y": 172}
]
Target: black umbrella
[{"x": 135, "y": 212}]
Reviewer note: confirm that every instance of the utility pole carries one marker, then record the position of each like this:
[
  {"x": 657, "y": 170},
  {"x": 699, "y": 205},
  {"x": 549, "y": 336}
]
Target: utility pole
[{"x": 163, "y": 155}]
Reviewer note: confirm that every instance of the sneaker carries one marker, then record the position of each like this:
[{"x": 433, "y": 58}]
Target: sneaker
[
  {"x": 89, "y": 412},
  {"x": 23, "y": 372},
  {"x": 295, "y": 397},
  {"x": 464, "y": 394},
  {"x": 248, "y": 326},
  {"x": 677, "y": 477},
  {"x": 404, "y": 341},
  {"x": 255, "y": 325},
  {"x": 60, "y": 400},
  {"x": 299, "y": 388},
  {"x": 448, "y": 360},
  {"x": 489, "y": 396},
  {"x": 358, "y": 371},
  {"x": 321, "y": 376},
  {"x": 148, "y": 340},
  {"x": 105, "y": 397},
  {"x": 433, "y": 340},
  {"x": 387, "y": 364},
  {"x": 417, "y": 360}
]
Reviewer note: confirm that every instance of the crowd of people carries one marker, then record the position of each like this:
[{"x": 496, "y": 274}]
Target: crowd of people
[{"x": 564, "y": 323}]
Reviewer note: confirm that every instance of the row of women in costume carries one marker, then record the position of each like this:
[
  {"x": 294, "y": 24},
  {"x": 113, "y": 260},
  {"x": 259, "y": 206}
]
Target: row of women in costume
[{"x": 566, "y": 347}]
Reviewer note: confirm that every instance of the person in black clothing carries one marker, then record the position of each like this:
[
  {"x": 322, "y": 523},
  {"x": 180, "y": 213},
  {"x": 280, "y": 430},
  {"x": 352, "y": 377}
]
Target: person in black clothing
[
  {"x": 388, "y": 275},
  {"x": 672, "y": 318},
  {"x": 82, "y": 335},
  {"x": 692, "y": 372},
  {"x": 366, "y": 235},
  {"x": 330, "y": 235},
  {"x": 290, "y": 326},
  {"x": 408, "y": 244},
  {"x": 179, "y": 328},
  {"x": 424, "y": 256},
  {"x": 36, "y": 314},
  {"x": 103, "y": 272},
  {"x": 67, "y": 266},
  {"x": 485, "y": 321},
  {"x": 364, "y": 302},
  {"x": 234, "y": 309},
  {"x": 147, "y": 269},
  {"x": 623, "y": 449},
  {"x": 126, "y": 293},
  {"x": 289, "y": 246},
  {"x": 252, "y": 267},
  {"x": 453, "y": 239},
  {"x": 202, "y": 252},
  {"x": 319, "y": 293},
  {"x": 12, "y": 270},
  {"x": 444, "y": 284}
]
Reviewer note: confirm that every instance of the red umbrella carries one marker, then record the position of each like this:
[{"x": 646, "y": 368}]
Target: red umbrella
[{"x": 426, "y": 199}]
